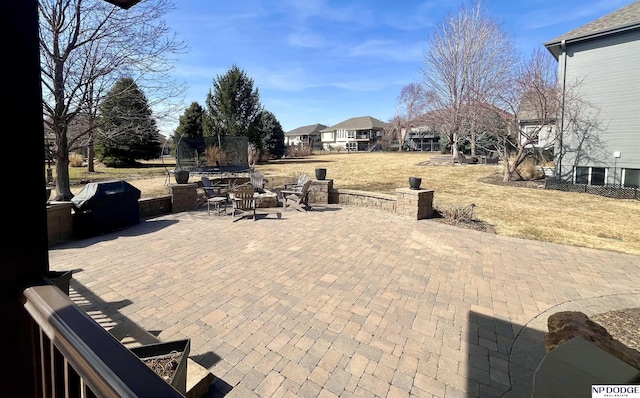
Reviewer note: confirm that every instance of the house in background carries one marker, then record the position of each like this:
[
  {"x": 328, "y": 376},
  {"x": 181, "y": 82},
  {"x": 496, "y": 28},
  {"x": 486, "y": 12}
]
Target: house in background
[
  {"x": 421, "y": 137},
  {"x": 604, "y": 56},
  {"x": 306, "y": 135},
  {"x": 356, "y": 134},
  {"x": 537, "y": 114}
]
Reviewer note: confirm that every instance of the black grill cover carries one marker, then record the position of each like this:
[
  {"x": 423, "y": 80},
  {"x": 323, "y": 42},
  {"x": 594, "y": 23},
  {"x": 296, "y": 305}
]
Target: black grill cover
[{"x": 105, "y": 206}]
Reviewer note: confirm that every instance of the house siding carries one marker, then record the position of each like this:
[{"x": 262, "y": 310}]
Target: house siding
[{"x": 608, "y": 70}]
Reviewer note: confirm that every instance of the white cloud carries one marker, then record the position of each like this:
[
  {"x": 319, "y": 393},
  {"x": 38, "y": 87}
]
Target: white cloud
[
  {"x": 289, "y": 79},
  {"x": 306, "y": 39},
  {"x": 387, "y": 49}
]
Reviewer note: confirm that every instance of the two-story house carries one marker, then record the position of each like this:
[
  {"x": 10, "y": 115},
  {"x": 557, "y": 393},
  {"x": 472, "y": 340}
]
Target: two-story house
[
  {"x": 600, "y": 143},
  {"x": 355, "y": 134},
  {"x": 306, "y": 135}
]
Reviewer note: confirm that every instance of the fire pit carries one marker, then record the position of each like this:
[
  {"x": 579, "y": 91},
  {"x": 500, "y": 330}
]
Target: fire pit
[{"x": 266, "y": 199}]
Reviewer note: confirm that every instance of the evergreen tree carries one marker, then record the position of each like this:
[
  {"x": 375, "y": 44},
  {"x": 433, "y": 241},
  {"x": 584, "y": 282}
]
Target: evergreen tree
[
  {"x": 191, "y": 122},
  {"x": 271, "y": 135},
  {"x": 233, "y": 108},
  {"x": 128, "y": 130}
]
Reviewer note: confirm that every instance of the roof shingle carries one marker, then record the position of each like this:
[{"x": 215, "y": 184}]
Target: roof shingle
[
  {"x": 627, "y": 17},
  {"x": 358, "y": 123},
  {"x": 306, "y": 130}
]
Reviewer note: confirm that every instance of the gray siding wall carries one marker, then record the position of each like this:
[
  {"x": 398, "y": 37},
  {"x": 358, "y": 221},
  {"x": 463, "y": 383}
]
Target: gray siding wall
[{"x": 609, "y": 71}]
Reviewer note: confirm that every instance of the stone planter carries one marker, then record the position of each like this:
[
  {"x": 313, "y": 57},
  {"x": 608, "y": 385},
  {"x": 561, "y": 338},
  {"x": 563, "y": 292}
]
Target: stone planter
[
  {"x": 321, "y": 174},
  {"x": 414, "y": 182},
  {"x": 170, "y": 354},
  {"x": 181, "y": 176}
]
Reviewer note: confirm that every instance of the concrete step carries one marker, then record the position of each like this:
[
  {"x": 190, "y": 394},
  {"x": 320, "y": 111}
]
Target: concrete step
[{"x": 199, "y": 379}]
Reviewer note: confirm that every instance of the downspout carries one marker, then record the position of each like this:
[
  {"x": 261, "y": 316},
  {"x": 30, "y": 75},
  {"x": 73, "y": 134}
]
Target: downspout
[{"x": 563, "y": 47}]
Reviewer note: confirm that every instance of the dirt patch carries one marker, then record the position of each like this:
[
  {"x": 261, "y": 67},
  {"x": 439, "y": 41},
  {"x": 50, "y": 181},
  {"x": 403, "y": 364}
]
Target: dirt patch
[{"x": 622, "y": 325}]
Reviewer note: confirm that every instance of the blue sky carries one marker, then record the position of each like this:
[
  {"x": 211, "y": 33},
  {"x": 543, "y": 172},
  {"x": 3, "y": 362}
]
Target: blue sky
[{"x": 324, "y": 61}]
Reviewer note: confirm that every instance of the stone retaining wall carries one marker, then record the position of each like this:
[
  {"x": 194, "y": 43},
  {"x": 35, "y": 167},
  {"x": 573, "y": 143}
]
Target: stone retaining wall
[
  {"x": 416, "y": 204},
  {"x": 155, "y": 206},
  {"x": 184, "y": 197},
  {"x": 363, "y": 198},
  {"x": 59, "y": 222}
]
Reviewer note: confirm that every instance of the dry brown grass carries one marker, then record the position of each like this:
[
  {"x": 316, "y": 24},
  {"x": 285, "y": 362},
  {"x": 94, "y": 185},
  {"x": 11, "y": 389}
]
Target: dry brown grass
[
  {"x": 551, "y": 216},
  {"x": 545, "y": 215}
]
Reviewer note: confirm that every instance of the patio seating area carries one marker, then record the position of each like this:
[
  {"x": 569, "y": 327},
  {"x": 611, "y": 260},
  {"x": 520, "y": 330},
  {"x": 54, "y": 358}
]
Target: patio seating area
[
  {"x": 341, "y": 311},
  {"x": 492, "y": 158}
]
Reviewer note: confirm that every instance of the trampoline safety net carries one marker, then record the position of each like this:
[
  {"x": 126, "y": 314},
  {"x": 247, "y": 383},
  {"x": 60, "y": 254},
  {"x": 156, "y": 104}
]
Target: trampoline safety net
[{"x": 213, "y": 154}]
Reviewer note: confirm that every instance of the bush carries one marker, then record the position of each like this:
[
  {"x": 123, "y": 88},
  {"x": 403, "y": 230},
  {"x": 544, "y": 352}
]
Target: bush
[
  {"x": 76, "y": 159},
  {"x": 456, "y": 213},
  {"x": 116, "y": 162},
  {"x": 215, "y": 155},
  {"x": 297, "y": 151},
  {"x": 528, "y": 170}
]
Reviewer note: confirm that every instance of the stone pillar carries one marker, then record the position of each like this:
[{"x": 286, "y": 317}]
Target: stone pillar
[
  {"x": 184, "y": 197},
  {"x": 59, "y": 222},
  {"x": 414, "y": 203},
  {"x": 319, "y": 191}
]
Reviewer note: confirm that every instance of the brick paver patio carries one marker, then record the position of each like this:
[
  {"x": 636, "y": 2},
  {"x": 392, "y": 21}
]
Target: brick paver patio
[{"x": 344, "y": 301}]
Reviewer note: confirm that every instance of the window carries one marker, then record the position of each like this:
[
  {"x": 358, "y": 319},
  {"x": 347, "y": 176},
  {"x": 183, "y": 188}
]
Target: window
[
  {"x": 598, "y": 175},
  {"x": 532, "y": 135},
  {"x": 590, "y": 175},
  {"x": 631, "y": 178},
  {"x": 351, "y": 146},
  {"x": 351, "y": 134},
  {"x": 581, "y": 175}
]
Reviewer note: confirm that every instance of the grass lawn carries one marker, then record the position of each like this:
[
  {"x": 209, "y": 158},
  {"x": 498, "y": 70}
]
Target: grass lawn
[{"x": 545, "y": 215}]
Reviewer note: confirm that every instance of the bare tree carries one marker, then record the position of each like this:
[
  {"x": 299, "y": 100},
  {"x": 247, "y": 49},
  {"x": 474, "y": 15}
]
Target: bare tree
[
  {"x": 532, "y": 103},
  {"x": 539, "y": 115},
  {"x": 86, "y": 45},
  {"x": 468, "y": 57},
  {"x": 411, "y": 105}
]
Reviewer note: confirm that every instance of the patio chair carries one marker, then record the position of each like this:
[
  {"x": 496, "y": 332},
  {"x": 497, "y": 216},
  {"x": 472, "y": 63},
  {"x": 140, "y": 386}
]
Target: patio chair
[
  {"x": 292, "y": 186},
  {"x": 463, "y": 159},
  {"x": 244, "y": 203},
  {"x": 217, "y": 195},
  {"x": 257, "y": 181},
  {"x": 297, "y": 198}
]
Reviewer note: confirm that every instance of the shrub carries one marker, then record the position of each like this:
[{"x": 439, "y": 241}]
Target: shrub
[
  {"x": 297, "y": 151},
  {"x": 254, "y": 154},
  {"x": 528, "y": 170},
  {"x": 116, "y": 162},
  {"x": 215, "y": 155},
  {"x": 76, "y": 159},
  {"x": 457, "y": 213}
]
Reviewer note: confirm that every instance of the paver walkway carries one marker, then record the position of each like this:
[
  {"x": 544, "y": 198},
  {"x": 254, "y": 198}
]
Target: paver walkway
[{"x": 345, "y": 301}]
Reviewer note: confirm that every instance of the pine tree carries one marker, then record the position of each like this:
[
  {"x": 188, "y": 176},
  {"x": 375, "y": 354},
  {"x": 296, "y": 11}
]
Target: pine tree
[
  {"x": 191, "y": 123},
  {"x": 271, "y": 135},
  {"x": 233, "y": 108},
  {"x": 128, "y": 131}
]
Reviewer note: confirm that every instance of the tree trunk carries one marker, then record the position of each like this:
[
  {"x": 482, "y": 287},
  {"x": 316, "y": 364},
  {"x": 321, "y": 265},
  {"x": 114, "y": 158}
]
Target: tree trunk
[
  {"x": 454, "y": 146},
  {"x": 507, "y": 172},
  {"x": 91, "y": 155},
  {"x": 473, "y": 143},
  {"x": 63, "y": 190}
]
